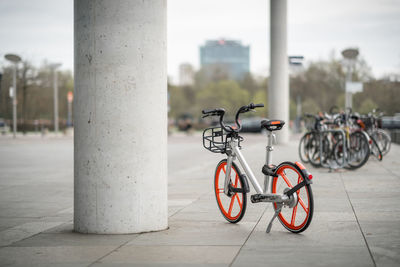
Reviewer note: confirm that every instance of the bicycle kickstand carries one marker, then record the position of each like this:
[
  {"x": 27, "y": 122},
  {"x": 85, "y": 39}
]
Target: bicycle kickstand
[{"x": 278, "y": 210}]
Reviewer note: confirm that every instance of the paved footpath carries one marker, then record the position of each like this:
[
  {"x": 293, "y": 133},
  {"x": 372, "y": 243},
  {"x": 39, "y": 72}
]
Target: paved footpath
[{"x": 356, "y": 220}]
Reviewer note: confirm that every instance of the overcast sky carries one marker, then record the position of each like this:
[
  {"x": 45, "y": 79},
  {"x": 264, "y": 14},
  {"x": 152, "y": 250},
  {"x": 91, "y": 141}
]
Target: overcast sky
[{"x": 43, "y": 30}]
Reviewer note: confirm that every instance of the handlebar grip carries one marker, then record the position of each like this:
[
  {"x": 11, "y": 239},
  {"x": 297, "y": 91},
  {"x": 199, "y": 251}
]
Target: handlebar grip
[
  {"x": 216, "y": 110},
  {"x": 206, "y": 111},
  {"x": 261, "y": 105}
]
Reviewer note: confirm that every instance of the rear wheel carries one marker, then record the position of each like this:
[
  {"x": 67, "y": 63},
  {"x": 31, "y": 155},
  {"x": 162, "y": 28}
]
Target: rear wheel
[
  {"x": 233, "y": 205},
  {"x": 304, "y": 146},
  {"x": 297, "y": 218}
]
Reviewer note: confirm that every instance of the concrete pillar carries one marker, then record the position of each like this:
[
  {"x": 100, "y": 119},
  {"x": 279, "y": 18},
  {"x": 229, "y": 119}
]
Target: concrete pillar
[
  {"x": 120, "y": 115},
  {"x": 278, "y": 93}
]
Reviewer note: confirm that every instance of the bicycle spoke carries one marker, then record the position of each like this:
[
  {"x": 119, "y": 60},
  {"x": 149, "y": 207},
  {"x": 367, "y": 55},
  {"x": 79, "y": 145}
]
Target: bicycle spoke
[
  {"x": 220, "y": 190},
  {"x": 286, "y": 180},
  {"x": 236, "y": 180},
  {"x": 231, "y": 205},
  {"x": 302, "y": 204},
  {"x": 223, "y": 168},
  {"x": 238, "y": 199},
  {"x": 293, "y": 215}
]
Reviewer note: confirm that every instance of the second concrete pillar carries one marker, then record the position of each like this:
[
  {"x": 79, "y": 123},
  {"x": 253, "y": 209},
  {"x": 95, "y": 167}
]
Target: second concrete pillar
[{"x": 278, "y": 97}]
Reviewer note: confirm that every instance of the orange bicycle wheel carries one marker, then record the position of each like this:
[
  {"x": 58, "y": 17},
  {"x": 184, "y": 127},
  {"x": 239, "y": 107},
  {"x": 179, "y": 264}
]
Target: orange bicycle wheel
[
  {"x": 233, "y": 205},
  {"x": 297, "y": 218}
]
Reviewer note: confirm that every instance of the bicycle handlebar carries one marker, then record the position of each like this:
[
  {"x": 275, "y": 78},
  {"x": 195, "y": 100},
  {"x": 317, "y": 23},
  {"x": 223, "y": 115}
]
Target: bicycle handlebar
[
  {"x": 221, "y": 112},
  {"x": 245, "y": 109}
]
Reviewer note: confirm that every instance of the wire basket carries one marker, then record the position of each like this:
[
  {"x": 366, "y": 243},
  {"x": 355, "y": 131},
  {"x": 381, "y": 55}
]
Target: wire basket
[
  {"x": 309, "y": 123},
  {"x": 368, "y": 121},
  {"x": 215, "y": 139}
]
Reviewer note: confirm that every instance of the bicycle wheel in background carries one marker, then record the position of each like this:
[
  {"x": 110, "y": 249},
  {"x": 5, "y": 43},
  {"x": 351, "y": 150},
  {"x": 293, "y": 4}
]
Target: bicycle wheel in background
[
  {"x": 375, "y": 150},
  {"x": 359, "y": 150},
  {"x": 297, "y": 218},
  {"x": 232, "y": 207},
  {"x": 338, "y": 153},
  {"x": 304, "y": 146},
  {"x": 383, "y": 139},
  {"x": 313, "y": 151}
]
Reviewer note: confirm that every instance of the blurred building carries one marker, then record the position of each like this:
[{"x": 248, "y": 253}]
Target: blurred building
[
  {"x": 226, "y": 56},
  {"x": 186, "y": 74}
]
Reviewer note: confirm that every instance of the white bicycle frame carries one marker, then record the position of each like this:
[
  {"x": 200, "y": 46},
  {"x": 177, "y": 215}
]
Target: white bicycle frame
[{"x": 234, "y": 152}]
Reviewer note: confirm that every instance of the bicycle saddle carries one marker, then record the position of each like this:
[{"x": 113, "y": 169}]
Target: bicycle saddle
[{"x": 272, "y": 125}]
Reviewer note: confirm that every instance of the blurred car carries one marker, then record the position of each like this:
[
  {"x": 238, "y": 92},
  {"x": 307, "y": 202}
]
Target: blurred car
[
  {"x": 185, "y": 122},
  {"x": 4, "y": 128},
  {"x": 391, "y": 122}
]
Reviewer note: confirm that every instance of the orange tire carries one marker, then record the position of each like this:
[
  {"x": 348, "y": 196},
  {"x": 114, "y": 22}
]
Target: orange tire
[
  {"x": 298, "y": 218},
  {"x": 233, "y": 206}
]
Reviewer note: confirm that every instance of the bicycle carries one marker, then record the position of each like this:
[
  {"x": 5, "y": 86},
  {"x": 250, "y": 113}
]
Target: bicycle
[
  {"x": 372, "y": 124},
  {"x": 336, "y": 141},
  {"x": 361, "y": 123},
  {"x": 293, "y": 206}
]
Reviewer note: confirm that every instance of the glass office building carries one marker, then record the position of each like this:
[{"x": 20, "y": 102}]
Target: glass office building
[{"x": 229, "y": 56}]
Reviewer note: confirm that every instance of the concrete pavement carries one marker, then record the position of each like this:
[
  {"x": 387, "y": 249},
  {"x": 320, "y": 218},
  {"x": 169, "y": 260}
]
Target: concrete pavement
[{"x": 356, "y": 220}]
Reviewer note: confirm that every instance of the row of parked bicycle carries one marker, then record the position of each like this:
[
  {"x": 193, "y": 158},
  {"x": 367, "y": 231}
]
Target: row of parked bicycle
[{"x": 343, "y": 139}]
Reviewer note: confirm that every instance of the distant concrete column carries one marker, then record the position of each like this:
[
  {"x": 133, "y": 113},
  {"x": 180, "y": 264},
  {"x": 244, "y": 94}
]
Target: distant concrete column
[
  {"x": 55, "y": 85},
  {"x": 279, "y": 78},
  {"x": 120, "y": 115},
  {"x": 14, "y": 101}
]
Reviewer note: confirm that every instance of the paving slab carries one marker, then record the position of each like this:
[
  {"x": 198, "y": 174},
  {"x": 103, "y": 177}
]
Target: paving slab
[
  {"x": 188, "y": 233},
  {"x": 52, "y": 256},
  {"x": 170, "y": 256},
  {"x": 298, "y": 256},
  {"x": 17, "y": 233},
  {"x": 65, "y": 236}
]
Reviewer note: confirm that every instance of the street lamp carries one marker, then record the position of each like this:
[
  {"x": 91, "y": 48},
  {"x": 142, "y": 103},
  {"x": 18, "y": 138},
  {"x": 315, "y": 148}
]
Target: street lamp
[
  {"x": 54, "y": 67},
  {"x": 14, "y": 59},
  {"x": 350, "y": 55},
  {"x": 296, "y": 64}
]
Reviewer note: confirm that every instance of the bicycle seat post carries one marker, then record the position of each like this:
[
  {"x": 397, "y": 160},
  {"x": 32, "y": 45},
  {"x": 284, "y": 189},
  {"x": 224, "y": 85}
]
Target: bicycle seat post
[{"x": 269, "y": 149}]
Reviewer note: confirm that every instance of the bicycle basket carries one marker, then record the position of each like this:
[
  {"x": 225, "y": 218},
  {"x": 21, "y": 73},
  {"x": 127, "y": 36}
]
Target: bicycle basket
[
  {"x": 368, "y": 121},
  {"x": 215, "y": 139},
  {"x": 309, "y": 123}
]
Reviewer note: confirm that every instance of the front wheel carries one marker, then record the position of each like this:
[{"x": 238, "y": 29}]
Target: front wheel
[
  {"x": 233, "y": 205},
  {"x": 298, "y": 218},
  {"x": 359, "y": 151}
]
